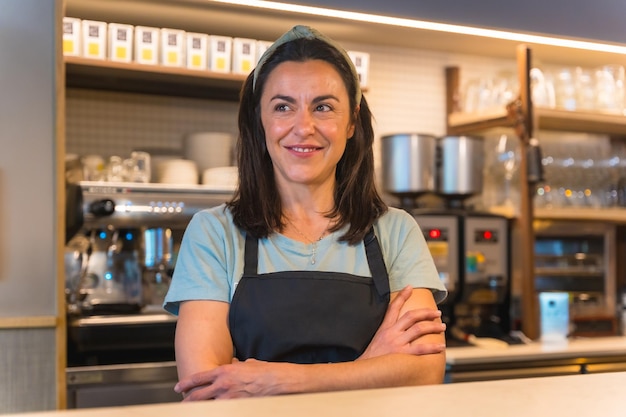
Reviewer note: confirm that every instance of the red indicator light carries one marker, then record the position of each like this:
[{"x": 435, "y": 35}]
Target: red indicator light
[
  {"x": 434, "y": 233},
  {"x": 487, "y": 235}
]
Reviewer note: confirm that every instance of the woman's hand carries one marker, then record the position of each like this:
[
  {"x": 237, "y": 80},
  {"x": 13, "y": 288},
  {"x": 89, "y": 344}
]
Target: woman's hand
[
  {"x": 401, "y": 333},
  {"x": 251, "y": 378}
]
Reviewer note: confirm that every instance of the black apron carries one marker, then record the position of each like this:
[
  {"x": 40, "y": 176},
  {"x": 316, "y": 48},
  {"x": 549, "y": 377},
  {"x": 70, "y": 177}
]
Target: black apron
[{"x": 307, "y": 316}]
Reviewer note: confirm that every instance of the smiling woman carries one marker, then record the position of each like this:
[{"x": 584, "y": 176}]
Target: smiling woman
[{"x": 305, "y": 265}]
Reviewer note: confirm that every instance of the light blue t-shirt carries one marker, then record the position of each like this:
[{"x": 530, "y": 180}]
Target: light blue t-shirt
[{"x": 211, "y": 257}]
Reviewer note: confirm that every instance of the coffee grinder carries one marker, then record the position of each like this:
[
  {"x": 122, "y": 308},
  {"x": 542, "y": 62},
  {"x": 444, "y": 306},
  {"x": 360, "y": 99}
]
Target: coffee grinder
[{"x": 470, "y": 248}]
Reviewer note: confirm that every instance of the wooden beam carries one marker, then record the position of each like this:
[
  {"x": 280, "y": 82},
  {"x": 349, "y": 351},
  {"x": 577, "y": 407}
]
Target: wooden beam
[{"x": 530, "y": 314}]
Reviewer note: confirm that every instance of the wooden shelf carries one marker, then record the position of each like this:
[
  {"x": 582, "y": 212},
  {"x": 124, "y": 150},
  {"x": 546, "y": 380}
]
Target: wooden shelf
[
  {"x": 468, "y": 123},
  {"x": 604, "y": 215},
  {"x": 151, "y": 79},
  {"x": 601, "y": 215},
  {"x": 548, "y": 119},
  {"x": 579, "y": 121},
  {"x": 254, "y": 21}
]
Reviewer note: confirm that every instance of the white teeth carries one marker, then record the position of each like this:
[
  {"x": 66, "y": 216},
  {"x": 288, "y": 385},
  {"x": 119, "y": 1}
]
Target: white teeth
[{"x": 305, "y": 150}]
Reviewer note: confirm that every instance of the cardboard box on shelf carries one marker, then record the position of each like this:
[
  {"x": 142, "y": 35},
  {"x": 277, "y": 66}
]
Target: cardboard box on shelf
[
  {"x": 94, "y": 39},
  {"x": 172, "y": 47},
  {"x": 71, "y": 36},
  {"x": 120, "y": 42},
  {"x": 197, "y": 50},
  {"x": 220, "y": 48},
  {"x": 361, "y": 61},
  {"x": 261, "y": 47},
  {"x": 147, "y": 45},
  {"x": 244, "y": 55}
]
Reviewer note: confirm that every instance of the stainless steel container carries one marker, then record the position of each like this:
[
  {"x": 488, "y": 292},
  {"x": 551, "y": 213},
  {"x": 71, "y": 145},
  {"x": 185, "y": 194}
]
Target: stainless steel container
[
  {"x": 409, "y": 165},
  {"x": 460, "y": 173}
]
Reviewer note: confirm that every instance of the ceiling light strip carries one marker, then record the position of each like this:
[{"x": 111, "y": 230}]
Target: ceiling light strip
[{"x": 434, "y": 26}]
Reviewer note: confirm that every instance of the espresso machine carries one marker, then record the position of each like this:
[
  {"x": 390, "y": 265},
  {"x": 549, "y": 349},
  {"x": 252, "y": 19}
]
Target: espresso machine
[
  {"x": 122, "y": 240},
  {"x": 121, "y": 258},
  {"x": 470, "y": 248}
]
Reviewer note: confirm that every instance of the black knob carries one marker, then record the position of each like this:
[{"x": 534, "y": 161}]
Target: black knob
[{"x": 102, "y": 208}]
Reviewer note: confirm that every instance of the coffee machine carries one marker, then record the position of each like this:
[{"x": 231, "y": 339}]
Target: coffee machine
[
  {"x": 470, "y": 248},
  {"x": 120, "y": 259},
  {"x": 121, "y": 246},
  {"x": 471, "y": 253}
]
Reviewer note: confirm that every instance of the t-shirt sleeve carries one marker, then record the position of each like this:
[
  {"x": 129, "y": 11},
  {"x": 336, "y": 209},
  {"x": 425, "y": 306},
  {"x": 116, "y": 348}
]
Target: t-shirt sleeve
[
  {"x": 407, "y": 256},
  {"x": 201, "y": 270}
]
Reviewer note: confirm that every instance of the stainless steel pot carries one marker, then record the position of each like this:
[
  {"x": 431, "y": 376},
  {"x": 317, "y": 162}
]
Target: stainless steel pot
[
  {"x": 409, "y": 165},
  {"x": 460, "y": 172}
]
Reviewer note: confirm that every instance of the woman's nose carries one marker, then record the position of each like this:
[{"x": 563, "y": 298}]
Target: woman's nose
[{"x": 304, "y": 123}]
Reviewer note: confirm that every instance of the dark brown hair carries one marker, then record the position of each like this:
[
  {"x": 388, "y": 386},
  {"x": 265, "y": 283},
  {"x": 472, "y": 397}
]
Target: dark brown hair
[{"x": 256, "y": 205}]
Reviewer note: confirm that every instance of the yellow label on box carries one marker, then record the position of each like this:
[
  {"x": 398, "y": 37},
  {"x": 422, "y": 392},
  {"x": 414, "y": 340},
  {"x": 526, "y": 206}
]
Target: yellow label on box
[
  {"x": 196, "y": 60},
  {"x": 172, "y": 57},
  {"x": 146, "y": 54},
  {"x": 68, "y": 46},
  {"x": 120, "y": 52},
  {"x": 220, "y": 63},
  {"x": 93, "y": 49},
  {"x": 246, "y": 66}
]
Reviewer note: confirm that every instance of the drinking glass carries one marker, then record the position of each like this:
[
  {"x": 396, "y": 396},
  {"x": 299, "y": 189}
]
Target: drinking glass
[
  {"x": 93, "y": 168},
  {"x": 610, "y": 88},
  {"x": 543, "y": 94},
  {"x": 508, "y": 156},
  {"x": 565, "y": 88},
  {"x": 115, "y": 170},
  {"x": 138, "y": 167},
  {"x": 585, "y": 89}
]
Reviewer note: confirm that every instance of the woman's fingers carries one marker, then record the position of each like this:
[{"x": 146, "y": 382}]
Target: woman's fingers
[
  {"x": 409, "y": 318},
  {"x": 196, "y": 380},
  {"x": 425, "y": 348},
  {"x": 393, "y": 311}
]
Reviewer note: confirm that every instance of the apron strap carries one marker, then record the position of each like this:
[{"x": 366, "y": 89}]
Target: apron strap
[
  {"x": 376, "y": 263},
  {"x": 251, "y": 256}
]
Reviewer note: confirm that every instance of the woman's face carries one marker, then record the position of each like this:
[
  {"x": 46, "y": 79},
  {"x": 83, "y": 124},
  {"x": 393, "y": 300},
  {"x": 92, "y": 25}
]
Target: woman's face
[{"x": 305, "y": 111}]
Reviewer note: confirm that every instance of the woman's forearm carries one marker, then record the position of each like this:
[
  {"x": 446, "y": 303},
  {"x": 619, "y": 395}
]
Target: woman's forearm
[
  {"x": 254, "y": 378},
  {"x": 382, "y": 371}
]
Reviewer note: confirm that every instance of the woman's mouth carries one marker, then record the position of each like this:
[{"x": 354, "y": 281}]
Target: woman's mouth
[{"x": 301, "y": 149}]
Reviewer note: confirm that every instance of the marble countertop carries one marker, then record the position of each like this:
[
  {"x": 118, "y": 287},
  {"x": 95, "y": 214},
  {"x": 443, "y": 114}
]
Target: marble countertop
[
  {"x": 580, "y": 347},
  {"x": 576, "y": 395}
]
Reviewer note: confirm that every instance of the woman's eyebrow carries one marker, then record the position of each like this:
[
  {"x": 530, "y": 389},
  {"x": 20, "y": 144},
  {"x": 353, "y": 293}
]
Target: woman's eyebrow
[
  {"x": 290, "y": 99},
  {"x": 283, "y": 97}
]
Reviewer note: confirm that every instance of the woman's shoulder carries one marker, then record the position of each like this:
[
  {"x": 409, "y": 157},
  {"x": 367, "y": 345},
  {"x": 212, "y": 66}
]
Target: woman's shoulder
[
  {"x": 395, "y": 226},
  {"x": 219, "y": 213},
  {"x": 216, "y": 219},
  {"x": 396, "y": 217}
]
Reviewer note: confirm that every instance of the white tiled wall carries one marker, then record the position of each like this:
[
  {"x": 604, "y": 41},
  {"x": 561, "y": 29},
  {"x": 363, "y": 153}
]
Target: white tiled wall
[{"x": 112, "y": 123}]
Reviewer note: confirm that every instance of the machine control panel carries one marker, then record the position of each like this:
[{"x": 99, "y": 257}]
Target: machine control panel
[
  {"x": 123, "y": 204},
  {"x": 486, "y": 236},
  {"x": 486, "y": 259},
  {"x": 441, "y": 233}
]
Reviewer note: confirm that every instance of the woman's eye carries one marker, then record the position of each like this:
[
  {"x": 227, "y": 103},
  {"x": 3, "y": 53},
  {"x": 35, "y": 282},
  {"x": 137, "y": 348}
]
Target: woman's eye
[
  {"x": 282, "y": 107},
  {"x": 323, "y": 107}
]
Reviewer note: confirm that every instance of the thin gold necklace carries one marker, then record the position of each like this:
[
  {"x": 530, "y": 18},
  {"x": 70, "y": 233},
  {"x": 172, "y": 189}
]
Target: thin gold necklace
[{"x": 313, "y": 243}]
